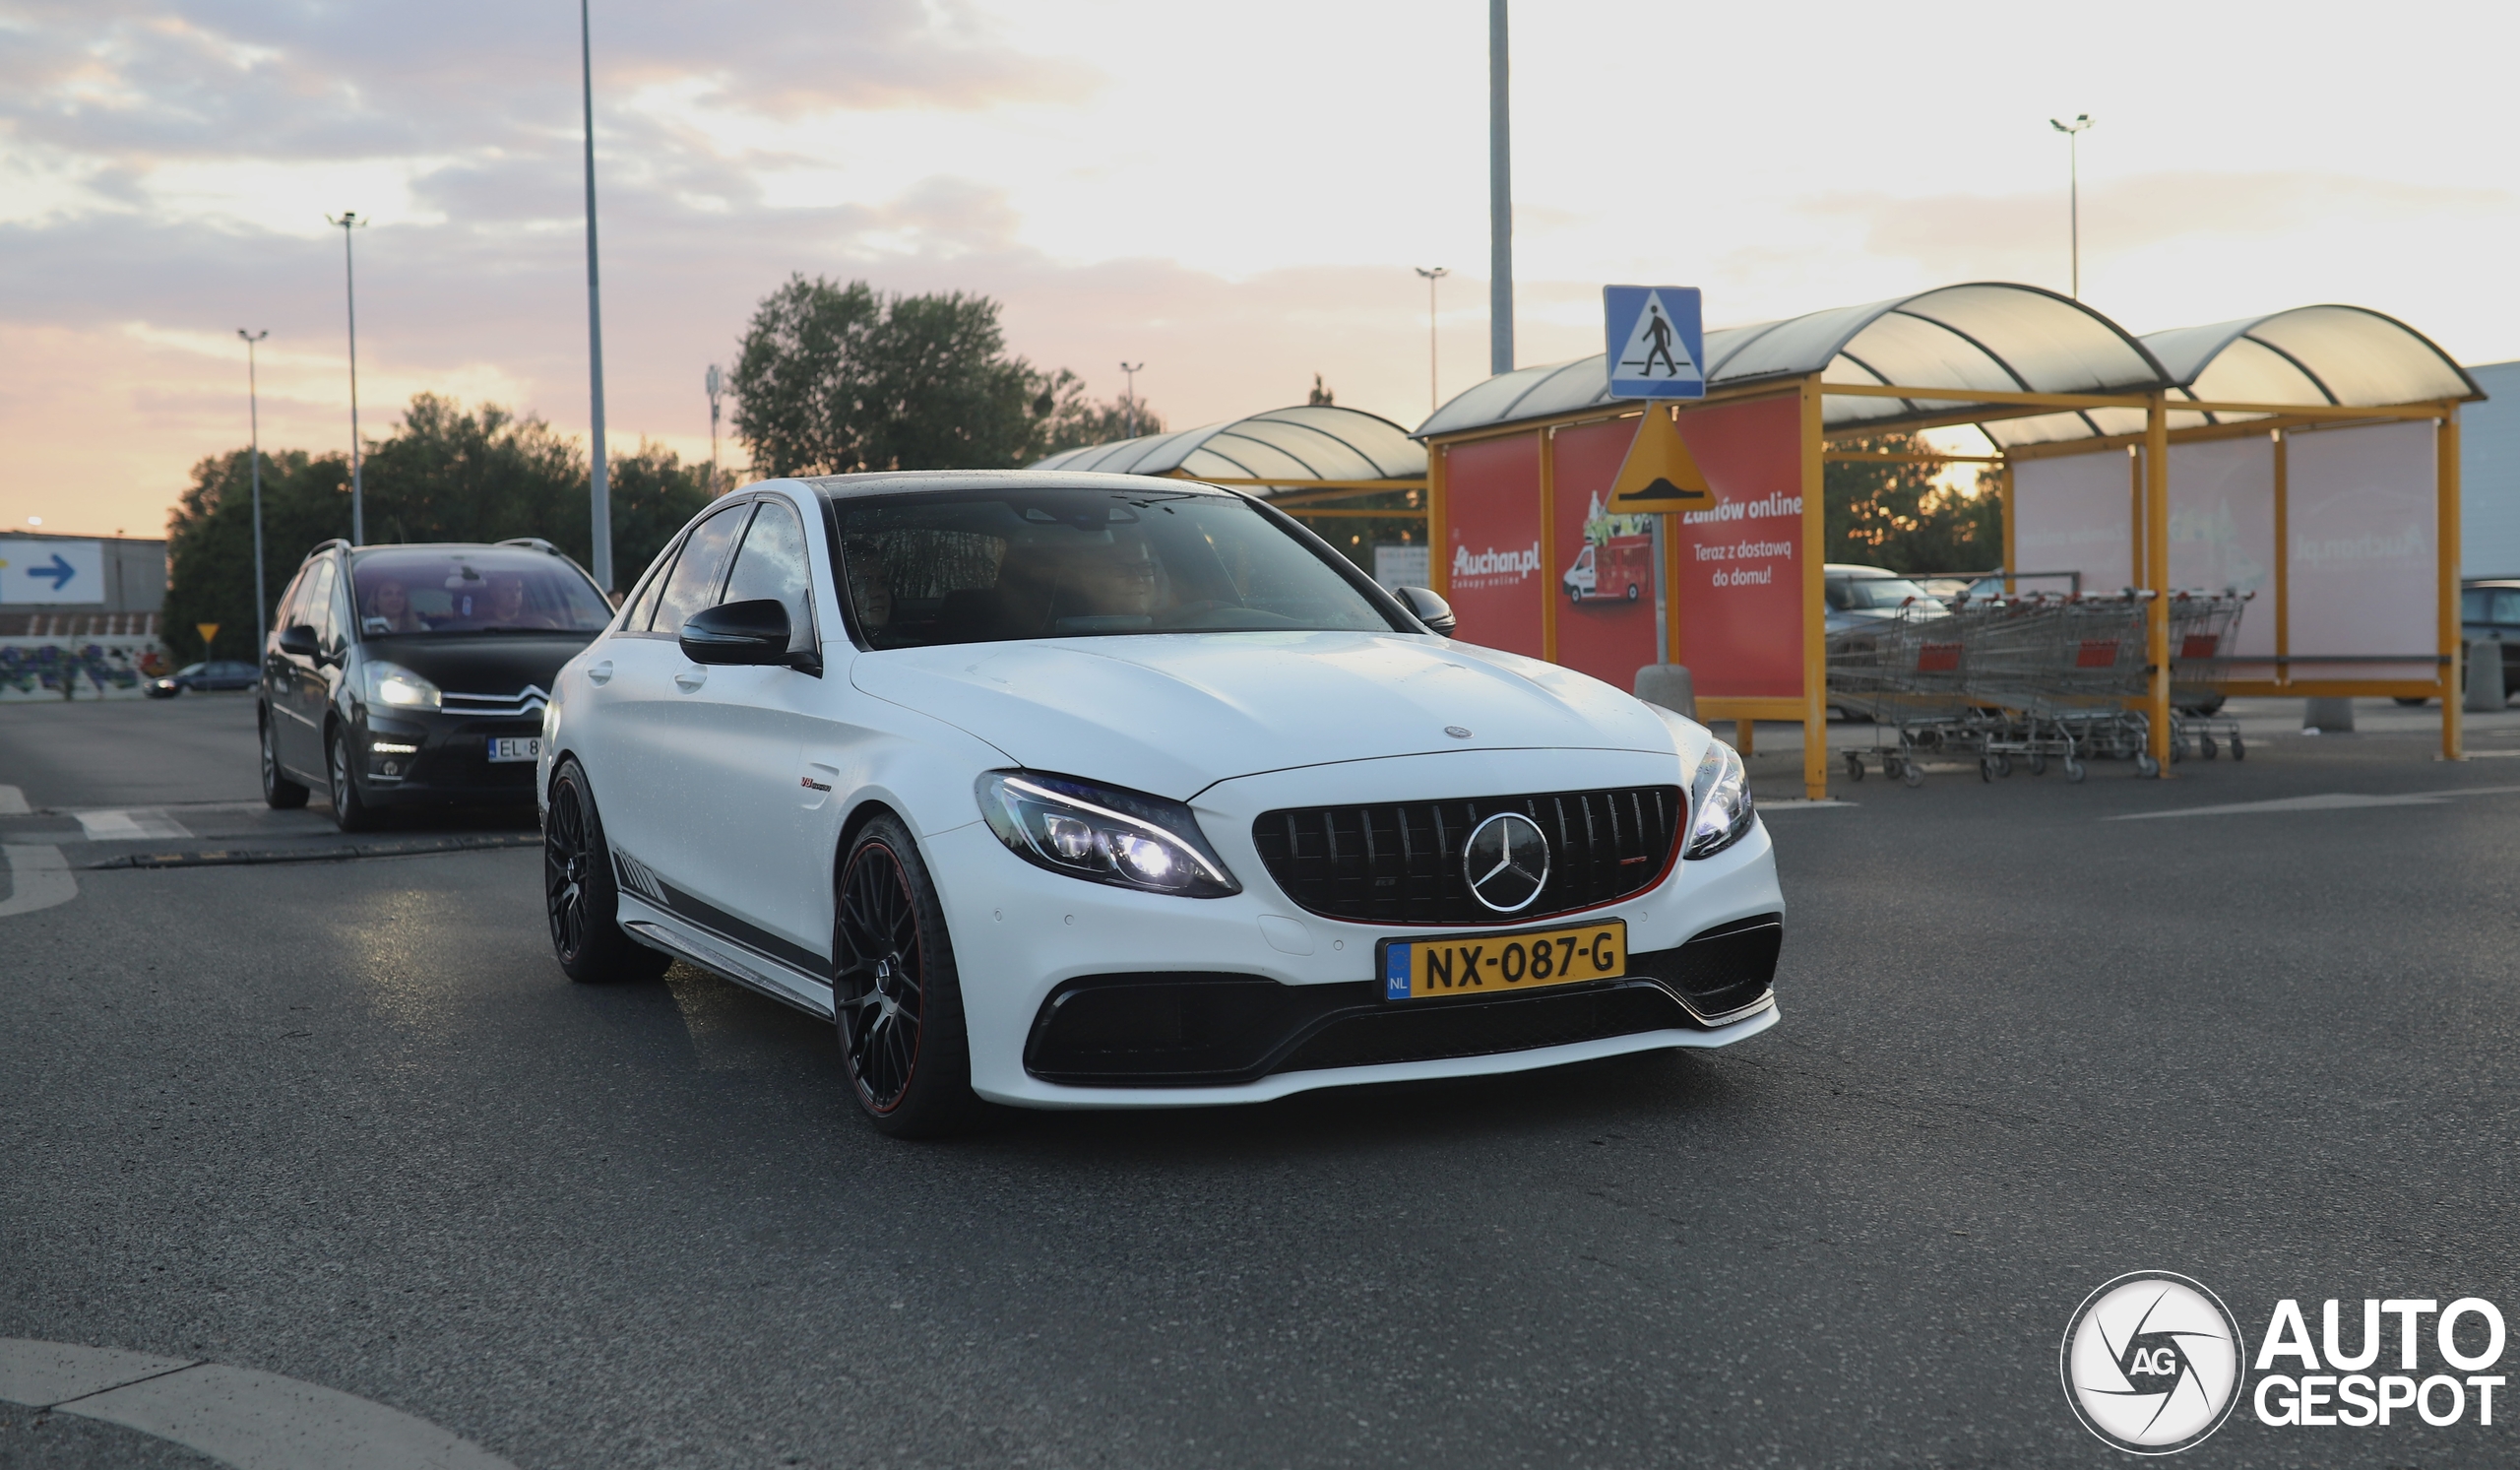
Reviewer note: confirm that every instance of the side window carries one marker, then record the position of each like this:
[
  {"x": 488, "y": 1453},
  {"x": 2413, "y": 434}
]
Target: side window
[
  {"x": 693, "y": 583},
  {"x": 2506, "y": 606},
  {"x": 340, "y": 626},
  {"x": 772, "y": 566},
  {"x": 315, "y": 603},
  {"x": 284, "y": 612},
  {"x": 645, "y": 606}
]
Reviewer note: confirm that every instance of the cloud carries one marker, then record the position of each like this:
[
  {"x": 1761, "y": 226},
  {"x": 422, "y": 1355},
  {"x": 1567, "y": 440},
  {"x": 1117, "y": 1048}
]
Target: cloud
[{"x": 2011, "y": 237}]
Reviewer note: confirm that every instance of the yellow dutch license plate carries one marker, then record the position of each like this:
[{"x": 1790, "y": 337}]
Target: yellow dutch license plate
[{"x": 1493, "y": 964}]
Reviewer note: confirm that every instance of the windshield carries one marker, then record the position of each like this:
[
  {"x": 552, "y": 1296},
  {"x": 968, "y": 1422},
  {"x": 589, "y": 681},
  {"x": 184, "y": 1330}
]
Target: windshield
[
  {"x": 485, "y": 590},
  {"x": 995, "y": 565},
  {"x": 1883, "y": 591}
]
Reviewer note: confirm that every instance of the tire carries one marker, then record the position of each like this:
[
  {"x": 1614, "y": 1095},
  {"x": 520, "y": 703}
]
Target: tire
[
  {"x": 897, "y": 999},
  {"x": 1854, "y": 766},
  {"x": 2145, "y": 765},
  {"x": 278, "y": 792},
  {"x": 1574, "y": 594},
  {"x": 1909, "y": 775},
  {"x": 579, "y": 896},
  {"x": 1986, "y": 768},
  {"x": 350, "y": 812},
  {"x": 2074, "y": 770},
  {"x": 2239, "y": 752},
  {"x": 1631, "y": 592},
  {"x": 2037, "y": 765}
]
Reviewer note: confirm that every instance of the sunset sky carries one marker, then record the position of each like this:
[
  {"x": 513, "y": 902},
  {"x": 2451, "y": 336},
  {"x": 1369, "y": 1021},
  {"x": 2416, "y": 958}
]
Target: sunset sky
[{"x": 1233, "y": 194}]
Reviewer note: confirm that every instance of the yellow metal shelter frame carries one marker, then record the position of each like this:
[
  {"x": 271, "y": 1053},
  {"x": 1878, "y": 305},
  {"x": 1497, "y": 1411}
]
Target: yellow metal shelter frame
[{"x": 2149, "y": 512}]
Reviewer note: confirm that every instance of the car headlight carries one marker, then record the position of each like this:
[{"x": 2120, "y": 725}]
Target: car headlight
[
  {"x": 1719, "y": 798},
  {"x": 396, "y": 686},
  {"x": 1103, "y": 834}
]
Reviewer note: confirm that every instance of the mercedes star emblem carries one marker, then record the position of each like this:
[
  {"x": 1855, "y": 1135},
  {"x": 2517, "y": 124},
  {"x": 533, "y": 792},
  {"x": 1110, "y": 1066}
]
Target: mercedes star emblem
[{"x": 1506, "y": 862}]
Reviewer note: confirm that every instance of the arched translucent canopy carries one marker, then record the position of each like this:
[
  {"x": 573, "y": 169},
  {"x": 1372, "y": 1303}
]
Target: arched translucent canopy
[
  {"x": 2329, "y": 355},
  {"x": 1284, "y": 446},
  {"x": 1989, "y": 336}
]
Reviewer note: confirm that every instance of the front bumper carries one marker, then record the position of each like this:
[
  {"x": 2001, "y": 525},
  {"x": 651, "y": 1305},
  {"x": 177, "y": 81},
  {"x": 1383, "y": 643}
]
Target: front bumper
[
  {"x": 1021, "y": 934},
  {"x": 441, "y": 759}
]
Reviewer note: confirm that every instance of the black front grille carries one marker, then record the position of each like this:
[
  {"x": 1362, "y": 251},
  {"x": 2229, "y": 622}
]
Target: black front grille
[
  {"x": 1720, "y": 970},
  {"x": 1400, "y": 862}
]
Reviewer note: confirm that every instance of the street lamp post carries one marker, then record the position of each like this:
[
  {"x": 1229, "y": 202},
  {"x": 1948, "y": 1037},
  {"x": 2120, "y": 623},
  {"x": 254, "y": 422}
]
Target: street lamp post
[
  {"x": 2073, "y": 132},
  {"x": 1433, "y": 276},
  {"x": 1501, "y": 198},
  {"x": 1130, "y": 397},
  {"x": 715, "y": 382},
  {"x": 348, "y": 221},
  {"x": 254, "y": 417},
  {"x": 598, "y": 484}
]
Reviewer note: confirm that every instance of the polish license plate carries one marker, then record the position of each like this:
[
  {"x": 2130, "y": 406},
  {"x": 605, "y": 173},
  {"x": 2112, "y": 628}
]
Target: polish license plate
[
  {"x": 515, "y": 747},
  {"x": 1493, "y": 964}
]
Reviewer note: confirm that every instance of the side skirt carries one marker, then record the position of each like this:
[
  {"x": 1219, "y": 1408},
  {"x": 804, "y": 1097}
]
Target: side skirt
[{"x": 783, "y": 982}]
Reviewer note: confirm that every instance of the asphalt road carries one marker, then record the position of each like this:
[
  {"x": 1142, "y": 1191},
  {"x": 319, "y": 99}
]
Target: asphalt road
[{"x": 345, "y": 1121}]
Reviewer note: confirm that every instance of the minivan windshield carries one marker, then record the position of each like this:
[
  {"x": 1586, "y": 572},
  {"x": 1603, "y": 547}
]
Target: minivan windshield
[
  {"x": 993, "y": 565},
  {"x": 468, "y": 590}
]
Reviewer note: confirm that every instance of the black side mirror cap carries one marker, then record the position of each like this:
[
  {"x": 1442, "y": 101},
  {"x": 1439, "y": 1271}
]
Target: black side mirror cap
[
  {"x": 1430, "y": 609},
  {"x": 748, "y": 632},
  {"x": 298, "y": 640}
]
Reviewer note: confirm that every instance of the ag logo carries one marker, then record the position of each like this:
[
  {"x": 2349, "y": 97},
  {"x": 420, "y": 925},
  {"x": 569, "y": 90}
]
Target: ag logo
[{"x": 2152, "y": 1363}]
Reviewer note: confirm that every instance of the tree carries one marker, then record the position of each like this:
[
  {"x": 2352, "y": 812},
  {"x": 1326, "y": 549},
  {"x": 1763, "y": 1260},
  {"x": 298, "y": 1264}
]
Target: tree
[
  {"x": 1073, "y": 420},
  {"x": 444, "y": 473},
  {"x": 1904, "y": 517},
  {"x": 835, "y": 379}
]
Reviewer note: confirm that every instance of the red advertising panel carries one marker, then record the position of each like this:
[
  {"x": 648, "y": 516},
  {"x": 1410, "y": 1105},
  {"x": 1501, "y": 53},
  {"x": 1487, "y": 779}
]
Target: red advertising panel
[
  {"x": 1741, "y": 560},
  {"x": 1491, "y": 514},
  {"x": 1603, "y": 580}
]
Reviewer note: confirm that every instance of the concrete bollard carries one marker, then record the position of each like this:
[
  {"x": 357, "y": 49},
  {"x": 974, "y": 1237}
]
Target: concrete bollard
[
  {"x": 2328, "y": 716},
  {"x": 1668, "y": 684},
  {"x": 2485, "y": 676}
]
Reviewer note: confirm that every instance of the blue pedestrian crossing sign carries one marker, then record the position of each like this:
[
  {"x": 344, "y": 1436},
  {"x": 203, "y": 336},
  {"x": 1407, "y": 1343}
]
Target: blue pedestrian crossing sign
[{"x": 1656, "y": 342}]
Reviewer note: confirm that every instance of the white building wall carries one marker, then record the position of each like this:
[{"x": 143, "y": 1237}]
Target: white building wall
[{"x": 2489, "y": 474}]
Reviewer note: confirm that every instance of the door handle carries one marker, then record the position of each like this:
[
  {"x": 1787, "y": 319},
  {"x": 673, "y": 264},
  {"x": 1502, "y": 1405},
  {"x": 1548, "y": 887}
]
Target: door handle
[
  {"x": 690, "y": 680},
  {"x": 600, "y": 673}
]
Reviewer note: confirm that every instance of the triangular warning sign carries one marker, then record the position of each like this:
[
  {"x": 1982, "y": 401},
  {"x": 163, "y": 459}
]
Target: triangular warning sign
[
  {"x": 1658, "y": 476},
  {"x": 1654, "y": 351}
]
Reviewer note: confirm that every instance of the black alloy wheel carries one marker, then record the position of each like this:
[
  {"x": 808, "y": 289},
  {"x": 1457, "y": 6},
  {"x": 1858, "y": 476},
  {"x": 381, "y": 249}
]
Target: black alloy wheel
[
  {"x": 895, "y": 996},
  {"x": 351, "y": 813},
  {"x": 278, "y": 792},
  {"x": 578, "y": 893}
]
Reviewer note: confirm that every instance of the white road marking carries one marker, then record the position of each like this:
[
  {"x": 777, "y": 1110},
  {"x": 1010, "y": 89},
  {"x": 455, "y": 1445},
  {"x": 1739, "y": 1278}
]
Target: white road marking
[
  {"x": 256, "y": 1421},
  {"x": 13, "y": 801},
  {"x": 38, "y": 876},
  {"x": 2325, "y": 801},
  {"x": 126, "y": 826}
]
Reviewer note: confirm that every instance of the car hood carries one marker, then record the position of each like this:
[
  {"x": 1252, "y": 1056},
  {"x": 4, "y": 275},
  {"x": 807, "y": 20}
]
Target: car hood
[
  {"x": 1172, "y": 713},
  {"x": 499, "y": 663}
]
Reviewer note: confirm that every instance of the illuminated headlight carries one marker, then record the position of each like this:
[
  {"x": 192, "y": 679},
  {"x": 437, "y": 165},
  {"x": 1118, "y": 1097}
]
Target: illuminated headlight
[
  {"x": 1103, "y": 834},
  {"x": 395, "y": 686},
  {"x": 393, "y": 748},
  {"x": 1719, "y": 798}
]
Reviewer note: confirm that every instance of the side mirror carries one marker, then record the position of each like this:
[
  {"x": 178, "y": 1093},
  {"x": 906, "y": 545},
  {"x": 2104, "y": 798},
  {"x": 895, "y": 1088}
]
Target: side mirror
[
  {"x": 298, "y": 640},
  {"x": 1430, "y": 609},
  {"x": 748, "y": 632}
]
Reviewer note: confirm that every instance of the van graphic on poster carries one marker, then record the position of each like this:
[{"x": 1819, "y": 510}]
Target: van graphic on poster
[{"x": 1615, "y": 562}]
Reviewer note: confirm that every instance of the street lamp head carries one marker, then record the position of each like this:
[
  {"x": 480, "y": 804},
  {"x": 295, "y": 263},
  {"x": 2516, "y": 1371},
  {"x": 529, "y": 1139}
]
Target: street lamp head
[
  {"x": 253, "y": 335},
  {"x": 349, "y": 218},
  {"x": 1438, "y": 274},
  {"x": 2081, "y": 121}
]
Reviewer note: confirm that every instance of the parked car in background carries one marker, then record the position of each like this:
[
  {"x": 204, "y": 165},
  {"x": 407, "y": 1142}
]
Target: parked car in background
[
  {"x": 415, "y": 676},
  {"x": 217, "y": 673},
  {"x": 2489, "y": 609},
  {"x": 1860, "y": 596}
]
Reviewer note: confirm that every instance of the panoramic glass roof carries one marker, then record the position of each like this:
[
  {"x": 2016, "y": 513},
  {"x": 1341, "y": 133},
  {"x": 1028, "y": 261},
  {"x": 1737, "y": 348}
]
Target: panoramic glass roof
[{"x": 1284, "y": 446}]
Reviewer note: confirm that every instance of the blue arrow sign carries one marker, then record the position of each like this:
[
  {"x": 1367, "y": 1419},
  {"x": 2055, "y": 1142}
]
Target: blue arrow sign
[
  {"x": 1657, "y": 340},
  {"x": 60, "y": 572}
]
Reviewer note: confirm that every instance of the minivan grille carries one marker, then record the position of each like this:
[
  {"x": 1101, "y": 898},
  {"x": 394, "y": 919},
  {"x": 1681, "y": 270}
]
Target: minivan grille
[{"x": 1401, "y": 861}]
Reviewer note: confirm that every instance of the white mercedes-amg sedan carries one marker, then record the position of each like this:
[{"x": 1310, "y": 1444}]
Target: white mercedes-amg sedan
[{"x": 1093, "y": 790}]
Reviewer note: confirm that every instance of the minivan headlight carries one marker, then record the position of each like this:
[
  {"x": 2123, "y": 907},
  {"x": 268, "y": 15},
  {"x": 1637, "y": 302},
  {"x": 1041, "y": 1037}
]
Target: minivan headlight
[
  {"x": 1720, "y": 801},
  {"x": 397, "y": 687},
  {"x": 1103, "y": 834}
]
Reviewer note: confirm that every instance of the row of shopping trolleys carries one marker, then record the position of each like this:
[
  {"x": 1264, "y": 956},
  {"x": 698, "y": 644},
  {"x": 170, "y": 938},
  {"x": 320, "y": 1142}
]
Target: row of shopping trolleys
[{"x": 2034, "y": 680}]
